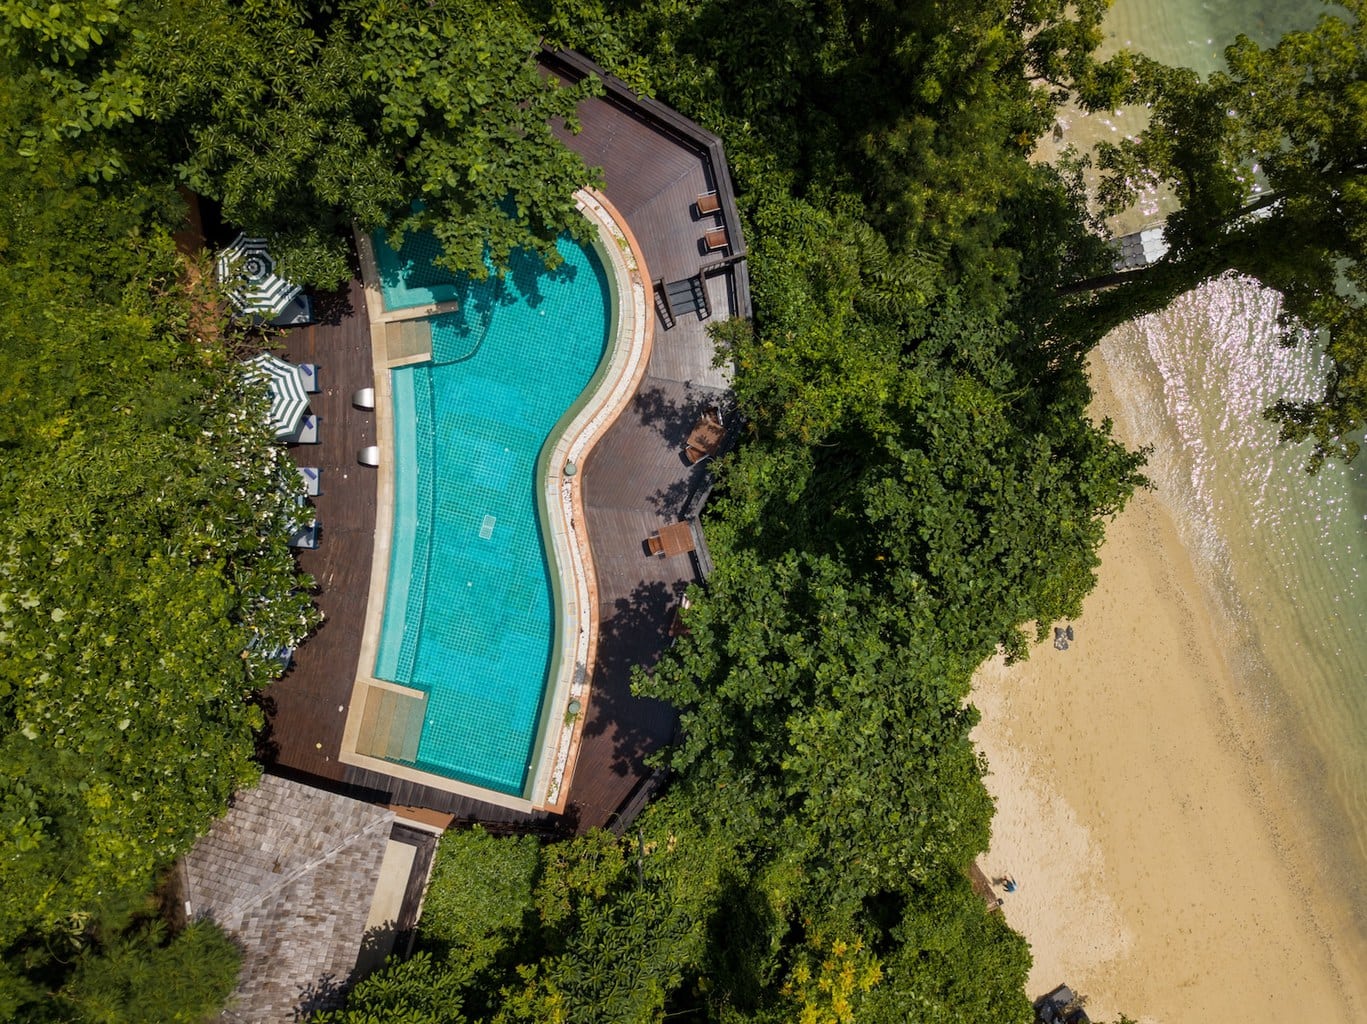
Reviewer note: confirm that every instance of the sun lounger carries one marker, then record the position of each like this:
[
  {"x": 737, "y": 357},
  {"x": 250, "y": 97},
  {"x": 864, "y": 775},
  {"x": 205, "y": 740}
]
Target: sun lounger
[
  {"x": 307, "y": 432},
  {"x": 687, "y": 296},
  {"x": 283, "y": 655},
  {"x": 363, "y": 398},
  {"x": 369, "y": 456},
  {"x": 308, "y": 373},
  {"x": 305, "y": 536},
  {"x": 674, "y": 539},
  {"x": 295, "y": 313},
  {"x": 312, "y": 479},
  {"x": 663, "y": 313}
]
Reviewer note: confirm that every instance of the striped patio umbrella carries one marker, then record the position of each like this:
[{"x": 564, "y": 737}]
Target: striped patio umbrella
[
  {"x": 248, "y": 271},
  {"x": 288, "y": 399}
]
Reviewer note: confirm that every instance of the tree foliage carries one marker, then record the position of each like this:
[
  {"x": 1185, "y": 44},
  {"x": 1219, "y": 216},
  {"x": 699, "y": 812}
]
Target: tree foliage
[
  {"x": 1267, "y": 160},
  {"x": 145, "y": 578},
  {"x": 479, "y": 892},
  {"x": 686, "y": 922},
  {"x": 300, "y": 120},
  {"x": 145, "y": 977}
]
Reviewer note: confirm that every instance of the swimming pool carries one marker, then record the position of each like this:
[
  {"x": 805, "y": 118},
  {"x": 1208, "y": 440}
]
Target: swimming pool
[
  {"x": 408, "y": 275},
  {"x": 468, "y": 615}
]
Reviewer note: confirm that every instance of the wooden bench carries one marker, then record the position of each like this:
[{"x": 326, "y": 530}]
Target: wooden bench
[{"x": 671, "y": 540}]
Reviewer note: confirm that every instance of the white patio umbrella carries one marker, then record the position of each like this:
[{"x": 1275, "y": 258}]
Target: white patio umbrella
[
  {"x": 288, "y": 399},
  {"x": 254, "y": 287}
]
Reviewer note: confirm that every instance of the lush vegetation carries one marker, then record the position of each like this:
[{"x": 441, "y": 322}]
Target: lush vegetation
[
  {"x": 144, "y": 577},
  {"x": 599, "y": 930},
  {"x": 920, "y": 486},
  {"x": 920, "y": 481},
  {"x": 300, "y": 119}
]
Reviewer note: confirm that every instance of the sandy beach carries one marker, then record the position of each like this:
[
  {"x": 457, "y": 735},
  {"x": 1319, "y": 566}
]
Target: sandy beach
[{"x": 1157, "y": 865}]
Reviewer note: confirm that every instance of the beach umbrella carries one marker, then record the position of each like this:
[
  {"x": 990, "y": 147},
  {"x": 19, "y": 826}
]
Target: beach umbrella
[
  {"x": 289, "y": 402},
  {"x": 254, "y": 287}
]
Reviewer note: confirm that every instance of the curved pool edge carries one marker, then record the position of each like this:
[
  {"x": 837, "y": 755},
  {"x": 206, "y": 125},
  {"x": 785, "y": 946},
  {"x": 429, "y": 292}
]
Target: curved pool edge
[
  {"x": 561, "y": 498},
  {"x": 553, "y": 753}
]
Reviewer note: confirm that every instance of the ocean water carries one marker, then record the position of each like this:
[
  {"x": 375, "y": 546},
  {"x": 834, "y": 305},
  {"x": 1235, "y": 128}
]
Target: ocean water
[{"x": 1283, "y": 554}]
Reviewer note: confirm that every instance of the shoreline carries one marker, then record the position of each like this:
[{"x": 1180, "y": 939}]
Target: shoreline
[{"x": 1158, "y": 867}]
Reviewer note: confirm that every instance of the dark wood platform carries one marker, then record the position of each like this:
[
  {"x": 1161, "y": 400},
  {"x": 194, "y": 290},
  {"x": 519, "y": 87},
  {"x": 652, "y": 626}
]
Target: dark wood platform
[
  {"x": 307, "y": 708},
  {"x": 655, "y": 165}
]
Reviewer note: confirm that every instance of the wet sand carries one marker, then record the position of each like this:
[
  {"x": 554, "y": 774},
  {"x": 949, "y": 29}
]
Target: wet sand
[{"x": 1158, "y": 868}]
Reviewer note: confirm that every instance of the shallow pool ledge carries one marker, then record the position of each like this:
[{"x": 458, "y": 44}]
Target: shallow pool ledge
[
  {"x": 397, "y": 340},
  {"x": 575, "y": 591}
]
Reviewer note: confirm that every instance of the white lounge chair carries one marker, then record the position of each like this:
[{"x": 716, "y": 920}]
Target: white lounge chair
[
  {"x": 369, "y": 456},
  {"x": 307, "y": 432},
  {"x": 363, "y": 398},
  {"x": 308, "y": 373},
  {"x": 312, "y": 479}
]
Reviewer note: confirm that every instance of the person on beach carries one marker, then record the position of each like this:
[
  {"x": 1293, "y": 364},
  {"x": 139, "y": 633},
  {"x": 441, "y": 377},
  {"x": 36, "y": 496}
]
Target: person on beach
[{"x": 1009, "y": 884}]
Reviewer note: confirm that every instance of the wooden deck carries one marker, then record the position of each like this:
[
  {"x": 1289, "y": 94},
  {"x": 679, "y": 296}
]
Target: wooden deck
[
  {"x": 655, "y": 165},
  {"x": 308, "y": 706}
]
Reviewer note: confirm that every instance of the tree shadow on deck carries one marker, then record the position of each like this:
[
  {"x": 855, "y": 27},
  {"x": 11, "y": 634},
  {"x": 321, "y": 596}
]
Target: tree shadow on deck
[
  {"x": 267, "y": 749},
  {"x": 673, "y": 420},
  {"x": 674, "y": 416},
  {"x": 623, "y": 729},
  {"x": 672, "y": 501},
  {"x": 332, "y": 308},
  {"x": 326, "y": 993}
]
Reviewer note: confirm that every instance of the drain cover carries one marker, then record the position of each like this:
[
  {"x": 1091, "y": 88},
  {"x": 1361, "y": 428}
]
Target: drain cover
[{"x": 486, "y": 529}]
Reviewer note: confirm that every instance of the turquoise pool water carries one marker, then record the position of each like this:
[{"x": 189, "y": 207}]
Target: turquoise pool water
[
  {"x": 468, "y": 611},
  {"x": 408, "y": 276}
]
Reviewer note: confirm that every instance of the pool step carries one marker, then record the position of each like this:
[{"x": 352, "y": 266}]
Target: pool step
[
  {"x": 392, "y": 724},
  {"x": 409, "y": 340}
]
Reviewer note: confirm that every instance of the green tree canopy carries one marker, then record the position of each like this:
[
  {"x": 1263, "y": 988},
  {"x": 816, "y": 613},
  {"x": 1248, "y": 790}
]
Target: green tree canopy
[
  {"x": 145, "y": 576},
  {"x": 300, "y": 120},
  {"x": 144, "y": 975}
]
